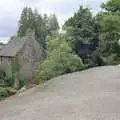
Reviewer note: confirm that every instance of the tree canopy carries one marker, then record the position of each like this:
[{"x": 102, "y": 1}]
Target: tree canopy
[
  {"x": 83, "y": 28},
  {"x": 60, "y": 59},
  {"x": 42, "y": 25},
  {"x": 90, "y": 39},
  {"x": 109, "y": 21}
]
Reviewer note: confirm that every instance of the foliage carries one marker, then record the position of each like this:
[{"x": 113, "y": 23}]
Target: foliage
[
  {"x": 83, "y": 28},
  {"x": 11, "y": 91},
  {"x": 60, "y": 59},
  {"x": 53, "y": 25},
  {"x": 2, "y": 74},
  {"x": 6, "y": 78},
  {"x": 6, "y": 91},
  {"x": 22, "y": 81},
  {"x": 15, "y": 67},
  {"x": 31, "y": 19},
  {"x": 109, "y": 21},
  {"x": 3, "y": 93},
  {"x": 112, "y": 6}
]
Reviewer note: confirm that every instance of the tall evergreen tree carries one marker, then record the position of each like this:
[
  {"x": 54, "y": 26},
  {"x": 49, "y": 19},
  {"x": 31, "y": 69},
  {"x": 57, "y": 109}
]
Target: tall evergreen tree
[
  {"x": 53, "y": 25},
  {"x": 42, "y": 26},
  {"x": 32, "y": 20},
  {"x": 84, "y": 30},
  {"x": 23, "y": 22}
]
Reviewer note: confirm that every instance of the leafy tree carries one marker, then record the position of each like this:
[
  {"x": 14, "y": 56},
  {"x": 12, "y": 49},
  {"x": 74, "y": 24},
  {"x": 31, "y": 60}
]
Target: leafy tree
[
  {"x": 109, "y": 21},
  {"x": 3, "y": 93},
  {"x": 60, "y": 59},
  {"x": 84, "y": 29},
  {"x": 112, "y": 6}
]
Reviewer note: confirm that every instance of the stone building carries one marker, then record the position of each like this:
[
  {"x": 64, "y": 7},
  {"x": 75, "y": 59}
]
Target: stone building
[
  {"x": 1, "y": 46},
  {"x": 28, "y": 53}
]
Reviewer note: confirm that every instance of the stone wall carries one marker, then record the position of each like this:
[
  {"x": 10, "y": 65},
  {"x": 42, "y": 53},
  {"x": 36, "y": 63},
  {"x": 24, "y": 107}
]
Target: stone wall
[
  {"x": 5, "y": 63},
  {"x": 29, "y": 58}
]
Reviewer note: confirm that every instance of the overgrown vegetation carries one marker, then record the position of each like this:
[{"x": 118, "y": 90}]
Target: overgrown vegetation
[
  {"x": 10, "y": 80},
  {"x": 60, "y": 59},
  {"x": 109, "y": 21},
  {"x": 3, "y": 93}
]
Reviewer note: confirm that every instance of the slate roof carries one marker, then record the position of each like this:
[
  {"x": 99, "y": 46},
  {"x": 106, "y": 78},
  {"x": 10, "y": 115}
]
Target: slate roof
[{"x": 13, "y": 47}]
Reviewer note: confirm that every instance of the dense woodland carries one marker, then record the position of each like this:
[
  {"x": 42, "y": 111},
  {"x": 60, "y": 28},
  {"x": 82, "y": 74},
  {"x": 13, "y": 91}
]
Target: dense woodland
[{"x": 87, "y": 40}]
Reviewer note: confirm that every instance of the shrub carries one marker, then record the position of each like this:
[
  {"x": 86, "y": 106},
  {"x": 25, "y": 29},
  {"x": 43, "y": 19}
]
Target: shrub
[
  {"x": 22, "y": 81},
  {"x": 60, "y": 59},
  {"x": 11, "y": 91},
  {"x": 6, "y": 91},
  {"x": 109, "y": 60},
  {"x": 3, "y": 93},
  {"x": 9, "y": 81},
  {"x": 6, "y": 79},
  {"x": 2, "y": 74}
]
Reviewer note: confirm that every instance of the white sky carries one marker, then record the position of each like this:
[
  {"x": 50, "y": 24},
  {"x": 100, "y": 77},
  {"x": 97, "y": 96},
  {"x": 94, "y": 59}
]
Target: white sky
[{"x": 10, "y": 11}]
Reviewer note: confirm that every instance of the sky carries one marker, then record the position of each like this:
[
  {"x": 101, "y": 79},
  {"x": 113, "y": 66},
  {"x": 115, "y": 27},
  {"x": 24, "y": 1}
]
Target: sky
[{"x": 10, "y": 11}]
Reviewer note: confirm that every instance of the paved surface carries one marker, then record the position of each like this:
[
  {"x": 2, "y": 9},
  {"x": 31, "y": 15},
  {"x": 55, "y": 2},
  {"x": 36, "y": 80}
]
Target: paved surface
[{"x": 93, "y": 94}]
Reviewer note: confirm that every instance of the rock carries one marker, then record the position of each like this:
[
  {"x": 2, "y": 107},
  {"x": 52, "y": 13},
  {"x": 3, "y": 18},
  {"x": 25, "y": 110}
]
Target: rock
[
  {"x": 11, "y": 91},
  {"x": 23, "y": 89}
]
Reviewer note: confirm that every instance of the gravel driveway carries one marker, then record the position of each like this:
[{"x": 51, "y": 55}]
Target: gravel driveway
[{"x": 92, "y": 94}]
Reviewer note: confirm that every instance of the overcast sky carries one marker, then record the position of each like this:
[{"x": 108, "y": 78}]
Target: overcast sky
[{"x": 10, "y": 11}]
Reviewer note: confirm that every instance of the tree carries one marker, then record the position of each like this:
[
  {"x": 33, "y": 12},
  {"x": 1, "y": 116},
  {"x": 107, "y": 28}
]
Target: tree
[
  {"x": 83, "y": 28},
  {"x": 26, "y": 21},
  {"x": 109, "y": 20},
  {"x": 32, "y": 20},
  {"x": 60, "y": 59},
  {"x": 42, "y": 26},
  {"x": 53, "y": 25},
  {"x": 112, "y": 6}
]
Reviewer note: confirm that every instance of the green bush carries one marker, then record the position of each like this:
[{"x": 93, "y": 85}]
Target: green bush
[
  {"x": 109, "y": 60},
  {"x": 9, "y": 81},
  {"x": 22, "y": 81},
  {"x": 6, "y": 92},
  {"x": 3, "y": 93},
  {"x": 11, "y": 91},
  {"x": 60, "y": 59},
  {"x": 6, "y": 79},
  {"x": 2, "y": 74}
]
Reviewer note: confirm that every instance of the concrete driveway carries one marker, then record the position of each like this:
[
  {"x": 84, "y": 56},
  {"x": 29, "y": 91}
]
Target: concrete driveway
[{"x": 92, "y": 94}]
